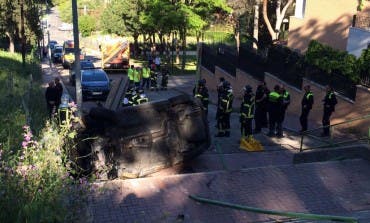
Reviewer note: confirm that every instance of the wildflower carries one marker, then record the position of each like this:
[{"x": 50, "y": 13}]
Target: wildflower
[{"x": 24, "y": 144}]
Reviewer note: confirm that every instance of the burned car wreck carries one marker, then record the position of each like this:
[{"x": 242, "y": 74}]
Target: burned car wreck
[{"x": 136, "y": 141}]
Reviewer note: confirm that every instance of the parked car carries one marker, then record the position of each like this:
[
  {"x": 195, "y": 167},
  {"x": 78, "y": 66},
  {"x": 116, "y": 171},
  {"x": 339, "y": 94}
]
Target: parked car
[
  {"x": 95, "y": 84},
  {"x": 85, "y": 65},
  {"x": 57, "y": 53},
  {"x": 52, "y": 43},
  {"x": 66, "y": 27}
]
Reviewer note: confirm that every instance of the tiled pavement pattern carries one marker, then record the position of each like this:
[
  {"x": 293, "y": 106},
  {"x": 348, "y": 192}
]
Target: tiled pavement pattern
[{"x": 337, "y": 188}]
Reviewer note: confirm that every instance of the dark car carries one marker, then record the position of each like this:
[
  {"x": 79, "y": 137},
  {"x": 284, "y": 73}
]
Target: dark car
[
  {"x": 85, "y": 65},
  {"x": 57, "y": 54},
  {"x": 95, "y": 84}
]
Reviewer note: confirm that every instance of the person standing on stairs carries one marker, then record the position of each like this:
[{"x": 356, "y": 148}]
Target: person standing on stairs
[
  {"x": 307, "y": 102},
  {"x": 329, "y": 101}
]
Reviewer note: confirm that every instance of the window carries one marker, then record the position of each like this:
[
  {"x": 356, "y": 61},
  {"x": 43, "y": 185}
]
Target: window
[{"x": 300, "y": 7}]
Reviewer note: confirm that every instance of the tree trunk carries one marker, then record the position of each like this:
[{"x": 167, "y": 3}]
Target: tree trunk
[
  {"x": 11, "y": 42},
  {"x": 255, "y": 27},
  {"x": 280, "y": 15},
  {"x": 267, "y": 21},
  {"x": 183, "y": 51},
  {"x": 136, "y": 44},
  {"x": 23, "y": 36}
]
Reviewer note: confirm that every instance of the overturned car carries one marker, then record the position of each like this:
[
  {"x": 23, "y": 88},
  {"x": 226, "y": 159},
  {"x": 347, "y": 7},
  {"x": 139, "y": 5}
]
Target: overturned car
[{"x": 136, "y": 141}]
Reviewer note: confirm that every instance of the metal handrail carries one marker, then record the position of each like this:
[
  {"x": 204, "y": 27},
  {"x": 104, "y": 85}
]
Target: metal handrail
[
  {"x": 330, "y": 126},
  {"x": 273, "y": 212}
]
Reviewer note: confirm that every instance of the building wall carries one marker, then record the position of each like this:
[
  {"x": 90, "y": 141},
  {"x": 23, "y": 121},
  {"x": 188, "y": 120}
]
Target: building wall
[
  {"x": 345, "y": 109},
  {"x": 324, "y": 20}
]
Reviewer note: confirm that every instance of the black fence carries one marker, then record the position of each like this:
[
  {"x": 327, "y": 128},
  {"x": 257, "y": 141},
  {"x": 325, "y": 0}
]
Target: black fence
[
  {"x": 341, "y": 84},
  {"x": 286, "y": 65},
  {"x": 365, "y": 79},
  {"x": 208, "y": 58},
  {"x": 281, "y": 62},
  {"x": 252, "y": 63}
]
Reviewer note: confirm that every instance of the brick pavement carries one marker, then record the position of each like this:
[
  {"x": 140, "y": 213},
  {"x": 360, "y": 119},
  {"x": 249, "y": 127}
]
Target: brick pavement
[{"x": 338, "y": 188}]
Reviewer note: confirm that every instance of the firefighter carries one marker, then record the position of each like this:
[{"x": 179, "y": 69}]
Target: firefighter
[
  {"x": 136, "y": 76},
  {"x": 224, "y": 110},
  {"x": 307, "y": 102},
  {"x": 201, "y": 92},
  {"x": 130, "y": 74},
  {"x": 146, "y": 77},
  {"x": 153, "y": 80},
  {"x": 128, "y": 96},
  {"x": 261, "y": 98},
  {"x": 329, "y": 101},
  {"x": 133, "y": 99},
  {"x": 142, "y": 98},
  {"x": 247, "y": 112},
  {"x": 165, "y": 75},
  {"x": 275, "y": 110}
]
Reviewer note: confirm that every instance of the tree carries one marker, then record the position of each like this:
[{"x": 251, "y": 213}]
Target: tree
[
  {"x": 124, "y": 14},
  {"x": 279, "y": 13},
  {"x": 86, "y": 24}
]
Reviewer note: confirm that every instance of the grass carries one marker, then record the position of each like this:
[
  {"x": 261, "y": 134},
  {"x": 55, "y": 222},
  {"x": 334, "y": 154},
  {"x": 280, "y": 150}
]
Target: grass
[{"x": 14, "y": 85}]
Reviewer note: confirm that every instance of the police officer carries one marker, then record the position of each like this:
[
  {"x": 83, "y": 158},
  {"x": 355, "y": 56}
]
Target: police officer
[
  {"x": 275, "y": 109},
  {"x": 136, "y": 75},
  {"x": 247, "y": 112},
  {"x": 201, "y": 92},
  {"x": 224, "y": 110},
  {"x": 146, "y": 76},
  {"x": 330, "y": 101},
  {"x": 286, "y": 101},
  {"x": 130, "y": 74},
  {"x": 307, "y": 102},
  {"x": 261, "y": 107}
]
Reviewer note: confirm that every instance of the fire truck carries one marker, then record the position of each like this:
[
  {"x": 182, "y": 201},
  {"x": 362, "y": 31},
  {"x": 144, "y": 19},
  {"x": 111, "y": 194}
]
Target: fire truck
[
  {"x": 115, "y": 53},
  {"x": 68, "y": 57}
]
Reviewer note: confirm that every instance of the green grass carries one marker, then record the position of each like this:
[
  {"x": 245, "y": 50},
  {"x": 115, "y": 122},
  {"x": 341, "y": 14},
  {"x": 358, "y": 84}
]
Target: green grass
[{"x": 14, "y": 85}]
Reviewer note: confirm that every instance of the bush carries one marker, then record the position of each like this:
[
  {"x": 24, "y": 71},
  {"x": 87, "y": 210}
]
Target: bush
[
  {"x": 332, "y": 61},
  {"x": 36, "y": 183},
  {"x": 86, "y": 25}
]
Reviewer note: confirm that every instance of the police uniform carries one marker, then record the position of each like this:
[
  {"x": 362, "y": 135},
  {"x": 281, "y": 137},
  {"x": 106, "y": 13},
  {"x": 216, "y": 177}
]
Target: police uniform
[
  {"x": 330, "y": 101},
  {"x": 261, "y": 99},
  {"x": 275, "y": 109},
  {"x": 146, "y": 77},
  {"x": 247, "y": 112},
  {"x": 307, "y": 102}
]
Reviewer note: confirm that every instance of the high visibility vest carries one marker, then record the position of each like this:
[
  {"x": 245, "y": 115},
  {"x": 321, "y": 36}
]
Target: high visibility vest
[
  {"x": 136, "y": 76},
  {"x": 146, "y": 72},
  {"x": 142, "y": 100},
  {"x": 274, "y": 96},
  {"x": 286, "y": 95},
  {"x": 310, "y": 94},
  {"x": 130, "y": 74}
]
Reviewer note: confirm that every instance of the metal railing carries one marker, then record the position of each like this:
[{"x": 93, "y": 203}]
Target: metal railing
[{"x": 331, "y": 142}]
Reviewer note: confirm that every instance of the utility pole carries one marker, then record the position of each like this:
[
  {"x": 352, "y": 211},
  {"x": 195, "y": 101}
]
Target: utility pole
[{"x": 77, "y": 66}]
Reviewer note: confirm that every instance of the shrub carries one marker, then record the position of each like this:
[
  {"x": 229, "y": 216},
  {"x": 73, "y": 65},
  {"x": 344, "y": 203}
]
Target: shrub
[
  {"x": 332, "y": 61},
  {"x": 86, "y": 25}
]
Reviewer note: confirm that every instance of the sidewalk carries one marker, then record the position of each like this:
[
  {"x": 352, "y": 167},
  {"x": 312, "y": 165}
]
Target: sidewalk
[{"x": 332, "y": 188}]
